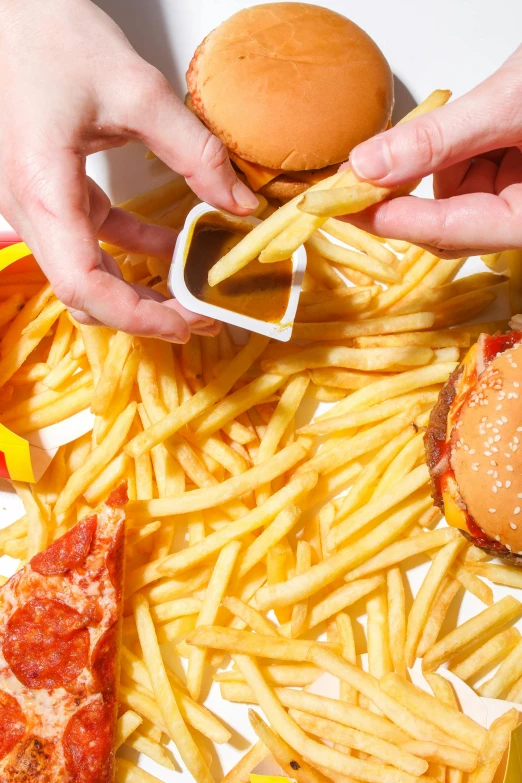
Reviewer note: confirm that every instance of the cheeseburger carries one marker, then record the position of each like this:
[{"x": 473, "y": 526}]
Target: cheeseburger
[
  {"x": 474, "y": 446},
  {"x": 290, "y": 89}
]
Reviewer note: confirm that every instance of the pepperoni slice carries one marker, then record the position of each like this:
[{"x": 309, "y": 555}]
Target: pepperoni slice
[
  {"x": 12, "y": 723},
  {"x": 31, "y": 763},
  {"x": 69, "y": 551},
  {"x": 118, "y": 496},
  {"x": 114, "y": 561},
  {"x": 46, "y": 643},
  {"x": 88, "y": 743},
  {"x": 103, "y": 661}
]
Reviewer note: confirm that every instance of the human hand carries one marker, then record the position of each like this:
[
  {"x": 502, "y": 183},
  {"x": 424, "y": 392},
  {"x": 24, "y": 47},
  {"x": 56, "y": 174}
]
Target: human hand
[
  {"x": 473, "y": 146},
  {"x": 72, "y": 85}
]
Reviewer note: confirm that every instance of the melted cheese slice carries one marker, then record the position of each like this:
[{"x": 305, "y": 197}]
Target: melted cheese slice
[{"x": 257, "y": 176}]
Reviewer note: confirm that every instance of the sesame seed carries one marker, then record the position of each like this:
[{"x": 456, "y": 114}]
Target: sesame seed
[
  {"x": 507, "y": 484},
  {"x": 496, "y": 429},
  {"x": 487, "y": 453},
  {"x": 499, "y": 484},
  {"x": 492, "y": 510},
  {"x": 517, "y": 510},
  {"x": 509, "y": 467},
  {"x": 496, "y": 438},
  {"x": 512, "y": 526},
  {"x": 489, "y": 473},
  {"x": 494, "y": 489}
]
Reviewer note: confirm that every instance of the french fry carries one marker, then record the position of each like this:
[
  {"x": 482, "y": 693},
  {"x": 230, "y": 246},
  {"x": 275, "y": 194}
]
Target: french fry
[
  {"x": 481, "y": 626},
  {"x": 304, "y": 585},
  {"x": 165, "y": 697},
  {"x": 426, "y": 596},
  {"x": 185, "y": 559},
  {"x": 366, "y": 359},
  {"x": 352, "y": 738},
  {"x": 343, "y": 379},
  {"x": 237, "y": 403},
  {"x": 28, "y": 340},
  {"x": 364, "y": 516},
  {"x": 495, "y": 745},
  {"x": 364, "y": 484},
  {"x": 38, "y": 519},
  {"x": 96, "y": 461},
  {"x": 157, "y": 198},
  {"x": 127, "y": 724},
  {"x": 336, "y": 309},
  {"x": 442, "y": 754},
  {"x": 430, "y": 708},
  {"x": 281, "y": 525},
  {"x": 213, "y": 596},
  {"x": 128, "y": 772},
  {"x": 500, "y": 575},
  {"x": 377, "y": 633},
  {"x": 462, "y": 308},
  {"x": 396, "y": 619},
  {"x": 255, "y": 242},
  {"x": 403, "y": 462},
  {"x": 360, "y": 239},
  {"x": 119, "y": 350},
  {"x": 383, "y": 410},
  {"x": 449, "y": 338},
  {"x": 412, "y": 724},
  {"x": 361, "y": 262},
  {"x": 31, "y": 310},
  {"x": 246, "y": 643},
  {"x": 250, "y": 615},
  {"x": 488, "y": 654},
  {"x": 300, "y": 610},
  {"x": 152, "y": 749},
  {"x": 291, "y": 762},
  {"x": 340, "y": 599},
  {"x": 205, "y": 398},
  {"x": 314, "y": 751},
  {"x": 434, "y": 296},
  {"x": 391, "y": 387},
  {"x": 349, "y": 448},
  {"x": 341, "y": 330},
  {"x": 509, "y": 671},
  {"x": 219, "y": 494}
]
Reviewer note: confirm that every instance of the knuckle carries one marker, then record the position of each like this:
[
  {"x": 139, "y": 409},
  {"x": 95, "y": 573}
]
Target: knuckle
[
  {"x": 428, "y": 141},
  {"x": 68, "y": 292},
  {"x": 213, "y": 153},
  {"x": 154, "y": 86}
]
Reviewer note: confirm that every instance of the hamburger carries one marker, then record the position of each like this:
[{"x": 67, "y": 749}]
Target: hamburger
[
  {"x": 290, "y": 89},
  {"x": 472, "y": 446}
]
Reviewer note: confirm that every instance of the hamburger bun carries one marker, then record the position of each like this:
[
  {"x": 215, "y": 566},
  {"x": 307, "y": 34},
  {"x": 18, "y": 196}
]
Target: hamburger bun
[
  {"x": 291, "y": 86},
  {"x": 482, "y": 456}
]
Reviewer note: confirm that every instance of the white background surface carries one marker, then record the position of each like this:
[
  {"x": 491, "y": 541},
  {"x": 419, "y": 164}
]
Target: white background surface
[{"x": 438, "y": 44}]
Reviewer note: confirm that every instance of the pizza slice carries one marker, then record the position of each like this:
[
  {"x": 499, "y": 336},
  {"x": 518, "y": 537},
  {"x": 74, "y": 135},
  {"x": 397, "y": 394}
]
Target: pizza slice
[{"x": 59, "y": 638}]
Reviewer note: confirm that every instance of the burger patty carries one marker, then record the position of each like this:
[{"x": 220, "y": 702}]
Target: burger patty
[{"x": 435, "y": 437}]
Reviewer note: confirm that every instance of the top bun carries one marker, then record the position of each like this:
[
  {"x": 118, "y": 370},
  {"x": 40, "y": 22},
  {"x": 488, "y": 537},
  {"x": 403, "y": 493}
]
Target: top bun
[
  {"x": 485, "y": 451},
  {"x": 291, "y": 86}
]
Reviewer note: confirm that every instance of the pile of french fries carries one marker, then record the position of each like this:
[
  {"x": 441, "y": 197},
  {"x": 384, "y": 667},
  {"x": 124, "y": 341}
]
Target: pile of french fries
[{"x": 259, "y": 532}]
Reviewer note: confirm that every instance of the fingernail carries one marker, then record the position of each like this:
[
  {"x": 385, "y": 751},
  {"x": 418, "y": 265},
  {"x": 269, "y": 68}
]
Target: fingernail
[
  {"x": 201, "y": 323},
  {"x": 371, "y": 160},
  {"x": 209, "y": 331},
  {"x": 243, "y": 196},
  {"x": 174, "y": 338}
]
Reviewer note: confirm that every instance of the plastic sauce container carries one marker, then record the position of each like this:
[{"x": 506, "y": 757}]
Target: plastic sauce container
[{"x": 262, "y": 298}]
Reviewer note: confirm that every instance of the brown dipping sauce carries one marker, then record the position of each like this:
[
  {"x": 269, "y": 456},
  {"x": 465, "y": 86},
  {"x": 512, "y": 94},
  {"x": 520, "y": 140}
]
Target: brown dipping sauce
[{"x": 258, "y": 290}]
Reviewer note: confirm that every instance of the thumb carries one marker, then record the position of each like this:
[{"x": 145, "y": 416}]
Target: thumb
[
  {"x": 176, "y": 136},
  {"x": 482, "y": 120}
]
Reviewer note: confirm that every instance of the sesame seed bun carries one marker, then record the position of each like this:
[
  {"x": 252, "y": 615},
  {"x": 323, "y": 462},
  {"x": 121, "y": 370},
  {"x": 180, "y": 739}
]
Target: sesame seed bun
[
  {"x": 291, "y": 86},
  {"x": 485, "y": 454}
]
